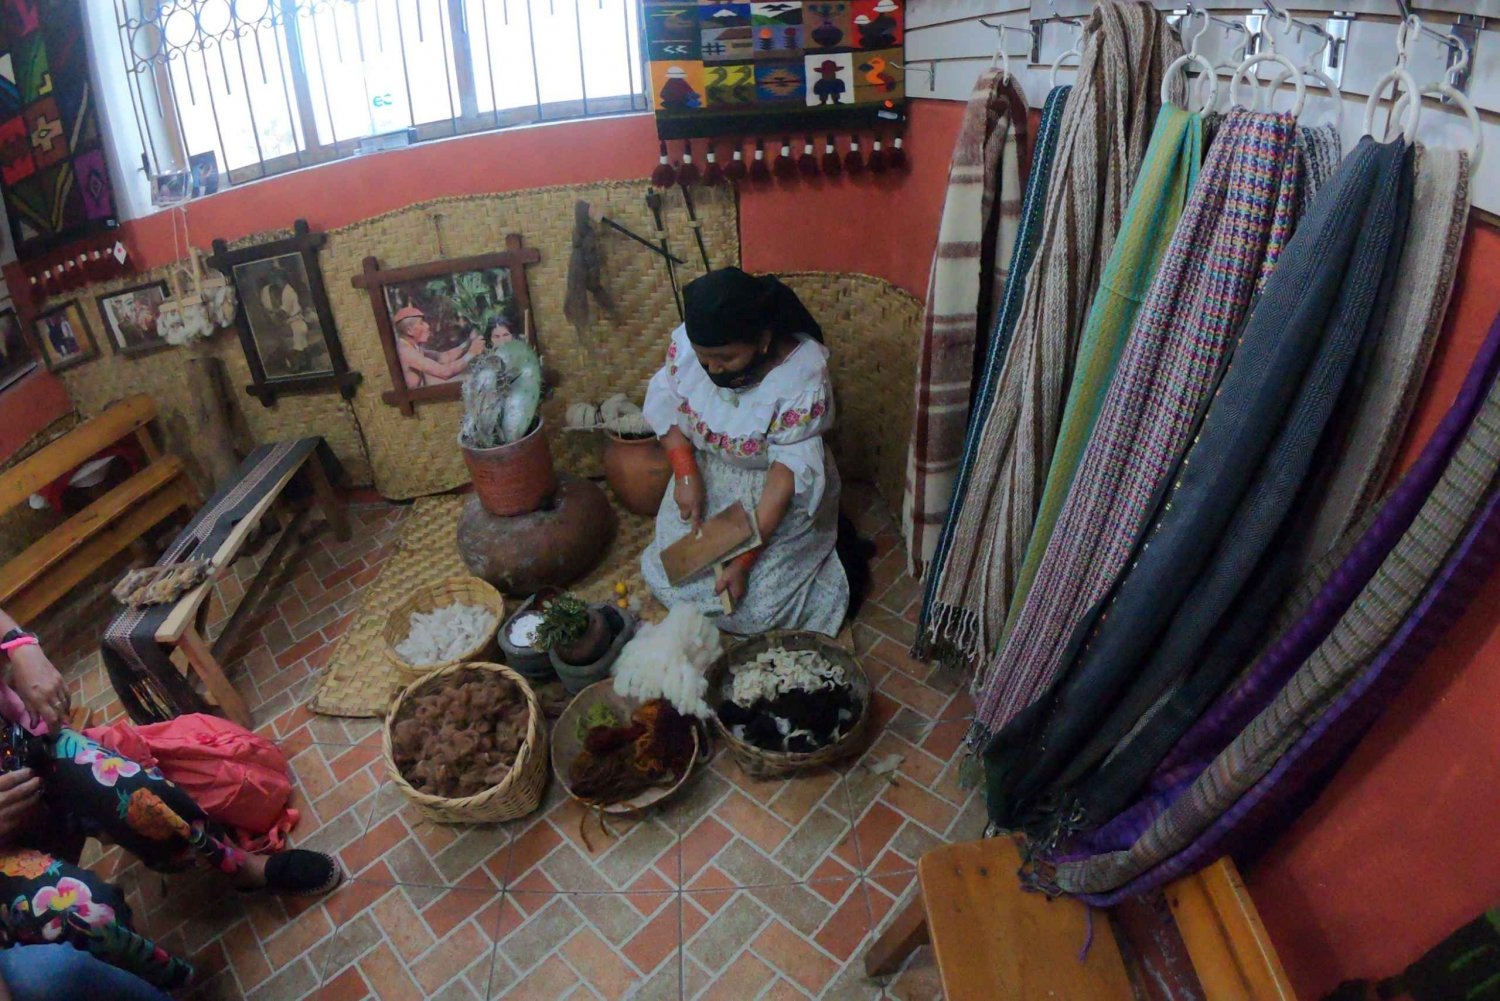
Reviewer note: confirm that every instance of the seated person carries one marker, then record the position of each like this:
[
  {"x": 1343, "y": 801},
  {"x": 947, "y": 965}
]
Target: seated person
[
  {"x": 57, "y": 785},
  {"x": 741, "y": 406},
  {"x": 63, "y": 973}
]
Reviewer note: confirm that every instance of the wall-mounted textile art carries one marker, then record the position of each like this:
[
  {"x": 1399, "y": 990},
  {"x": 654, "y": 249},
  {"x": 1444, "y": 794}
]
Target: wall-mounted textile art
[
  {"x": 811, "y": 66},
  {"x": 52, "y": 167}
]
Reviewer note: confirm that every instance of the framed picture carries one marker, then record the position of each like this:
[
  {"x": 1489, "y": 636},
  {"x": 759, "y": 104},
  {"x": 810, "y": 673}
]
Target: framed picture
[
  {"x": 16, "y": 354},
  {"x": 130, "y": 315},
  {"x": 285, "y": 325},
  {"x": 205, "y": 170},
  {"x": 435, "y": 318},
  {"x": 65, "y": 339}
]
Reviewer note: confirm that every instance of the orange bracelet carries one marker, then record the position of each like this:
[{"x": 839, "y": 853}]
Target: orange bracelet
[
  {"x": 747, "y": 559},
  {"x": 683, "y": 462}
]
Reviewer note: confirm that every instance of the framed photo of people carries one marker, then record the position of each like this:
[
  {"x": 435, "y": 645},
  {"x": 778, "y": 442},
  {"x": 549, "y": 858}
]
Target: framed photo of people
[
  {"x": 435, "y": 318},
  {"x": 63, "y": 335},
  {"x": 16, "y": 355},
  {"x": 285, "y": 324},
  {"x": 130, "y": 317}
]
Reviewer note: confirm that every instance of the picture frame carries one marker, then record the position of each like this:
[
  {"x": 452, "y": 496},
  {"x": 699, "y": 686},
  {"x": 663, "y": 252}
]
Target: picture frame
[
  {"x": 283, "y": 318},
  {"x": 453, "y": 307},
  {"x": 63, "y": 337},
  {"x": 130, "y": 318},
  {"x": 17, "y": 354}
]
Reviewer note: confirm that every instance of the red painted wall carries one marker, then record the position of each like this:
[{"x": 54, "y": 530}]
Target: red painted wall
[
  {"x": 1400, "y": 848},
  {"x": 27, "y": 406}
]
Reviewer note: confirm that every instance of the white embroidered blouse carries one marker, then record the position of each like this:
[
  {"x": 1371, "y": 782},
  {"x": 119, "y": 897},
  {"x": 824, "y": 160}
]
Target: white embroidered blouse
[{"x": 782, "y": 419}]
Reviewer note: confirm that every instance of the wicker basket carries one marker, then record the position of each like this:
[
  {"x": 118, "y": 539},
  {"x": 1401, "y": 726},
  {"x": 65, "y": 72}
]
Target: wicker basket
[
  {"x": 453, "y": 591},
  {"x": 518, "y": 795},
  {"x": 760, "y": 763}
]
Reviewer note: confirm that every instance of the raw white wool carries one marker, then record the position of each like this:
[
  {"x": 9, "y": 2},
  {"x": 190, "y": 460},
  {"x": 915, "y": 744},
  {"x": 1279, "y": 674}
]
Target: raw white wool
[
  {"x": 444, "y": 633},
  {"x": 670, "y": 660},
  {"x": 523, "y": 629},
  {"x": 776, "y": 671}
]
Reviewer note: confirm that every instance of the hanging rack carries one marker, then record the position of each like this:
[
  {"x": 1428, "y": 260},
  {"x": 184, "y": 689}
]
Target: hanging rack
[
  {"x": 1039, "y": 25},
  {"x": 930, "y": 69},
  {"x": 1001, "y": 56}
]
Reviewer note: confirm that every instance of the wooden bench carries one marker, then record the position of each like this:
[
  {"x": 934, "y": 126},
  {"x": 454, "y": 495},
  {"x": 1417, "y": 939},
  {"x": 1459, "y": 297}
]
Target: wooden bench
[
  {"x": 994, "y": 940},
  {"x": 60, "y": 560}
]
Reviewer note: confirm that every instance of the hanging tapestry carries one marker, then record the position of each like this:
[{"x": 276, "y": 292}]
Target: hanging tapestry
[
  {"x": 722, "y": 69},
  {"x": 52, "y": 168}
]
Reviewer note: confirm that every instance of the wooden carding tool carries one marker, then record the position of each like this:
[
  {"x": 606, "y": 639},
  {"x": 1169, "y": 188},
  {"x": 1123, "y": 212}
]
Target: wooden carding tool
[{"x": 719, "y": 539}]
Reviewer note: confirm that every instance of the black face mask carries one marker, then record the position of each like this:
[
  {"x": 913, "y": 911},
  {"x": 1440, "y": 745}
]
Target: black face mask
[{"x": 747, "y": 376}]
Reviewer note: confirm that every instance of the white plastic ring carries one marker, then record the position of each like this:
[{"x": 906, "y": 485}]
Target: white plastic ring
[
  {"x": 1057, "y": 64},
  {"x": 1209, "y": 74},
  {"x": 1243, "y": 73},
  {"x": 1318, "y": 76},
  {"x": 1476, "y": 148},
  {"x": 1413, "y": 110}
]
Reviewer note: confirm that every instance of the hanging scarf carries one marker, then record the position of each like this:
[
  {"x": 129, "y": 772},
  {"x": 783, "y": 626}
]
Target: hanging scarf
[
  {"x": 1283, "y": 696},
  {"x": 1229, "y": 230},
  {"x": 1167, "y": 176},
  {"x": 1021, "y": 257},
  {"x": 1399, "y": 364},
  {"x": 1105, "y": 132},
  {"x": 1234, "y": 487},
  {"x": 1322, "y": 149},
  {"x": 985, "y": 173}
]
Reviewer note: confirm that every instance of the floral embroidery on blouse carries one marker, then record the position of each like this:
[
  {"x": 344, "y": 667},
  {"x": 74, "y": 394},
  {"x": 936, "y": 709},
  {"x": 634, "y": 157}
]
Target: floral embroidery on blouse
[
  {"x": 792, "y": 417},
  {"x": 748, "y": 446}
]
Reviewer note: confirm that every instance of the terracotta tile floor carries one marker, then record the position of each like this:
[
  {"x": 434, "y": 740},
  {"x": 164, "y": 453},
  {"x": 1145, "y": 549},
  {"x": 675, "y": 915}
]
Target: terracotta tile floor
[{"x": 740, "y": 889}]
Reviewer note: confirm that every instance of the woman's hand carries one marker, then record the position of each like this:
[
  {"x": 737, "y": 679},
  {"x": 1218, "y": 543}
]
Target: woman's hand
[
  {"x": 690, "y": 495},
  {"x": 40, "y": 686},
  {"x": 20, "y": 793},
  {"x": 734, "y": 578}
]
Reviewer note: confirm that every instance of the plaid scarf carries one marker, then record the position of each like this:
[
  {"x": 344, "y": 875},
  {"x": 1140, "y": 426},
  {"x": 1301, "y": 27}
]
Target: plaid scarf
[
  {"x": 985, "y": 173},
  {"x": 1285, "y": 695},
  {"x": 1105, "y": 131},
  {"x": 1021, "y": 257},
  {"x": 1389, "y": 387},
  {"x": 1232, "y": 225},
  {"x": 1237, "y": 482}
]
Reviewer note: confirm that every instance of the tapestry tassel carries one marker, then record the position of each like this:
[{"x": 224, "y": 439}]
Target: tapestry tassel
[
  {"x": 898, "y": 155},
  {"x": 688, "y": 173},
  {"x": 759, "y": 170},
  {"x": 853, "y": 162},
  {"x": 877, "y": 158},
  {"x": 785, "y": 167},
  {"x": 831, "y": 164},
  {"x": 736, "y": 170},
  {"x": 713, "y": 174},
  {"x": 663, "y": 176},
  {"x": 807, "y": 163}
]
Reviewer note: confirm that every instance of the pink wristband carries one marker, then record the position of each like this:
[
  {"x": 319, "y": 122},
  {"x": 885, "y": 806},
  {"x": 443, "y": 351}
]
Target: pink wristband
[{"x": 19, "y": 641}]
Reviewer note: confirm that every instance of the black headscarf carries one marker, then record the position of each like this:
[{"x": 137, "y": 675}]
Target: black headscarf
[{"x": 728, "y": 306}]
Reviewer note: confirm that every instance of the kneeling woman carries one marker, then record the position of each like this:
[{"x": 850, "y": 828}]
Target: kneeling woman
[{"x": 742, "y": 406}]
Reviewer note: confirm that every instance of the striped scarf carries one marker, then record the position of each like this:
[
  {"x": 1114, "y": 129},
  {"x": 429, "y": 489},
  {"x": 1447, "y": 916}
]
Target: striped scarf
[
  {"x": 1105, "y": 132},
  {"x": 1167, "y": 177},
  {"x": 1021, "y": 257},
  {"x": 985, "y": 174},
  {"x": 1439, "y": 217},
  {"x": 1357, "y": 611},
  {"x": 1232, "y": 226},
  {"x": 1246, "y": 464}
]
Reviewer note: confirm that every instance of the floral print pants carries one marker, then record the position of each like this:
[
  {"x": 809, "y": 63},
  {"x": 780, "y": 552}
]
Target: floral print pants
[{"x": 43, "y": 899}]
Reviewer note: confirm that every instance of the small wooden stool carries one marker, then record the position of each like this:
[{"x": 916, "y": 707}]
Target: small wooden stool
[{"x": 994, "y": 940}]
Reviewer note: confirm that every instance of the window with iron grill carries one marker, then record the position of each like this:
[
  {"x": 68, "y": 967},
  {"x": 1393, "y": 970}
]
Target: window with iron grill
[{"x": 273, "y": 85}]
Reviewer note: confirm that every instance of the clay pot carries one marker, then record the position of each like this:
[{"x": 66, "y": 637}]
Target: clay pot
[
  {"x": 550, "y": 547},
  {"x": 529, "y": 662},
  {"x": 638, "y": 472},
  {"x": 512, "y": 479},
  {"x": 619, "y": 628},
  {"x": 591, "y": 645}
]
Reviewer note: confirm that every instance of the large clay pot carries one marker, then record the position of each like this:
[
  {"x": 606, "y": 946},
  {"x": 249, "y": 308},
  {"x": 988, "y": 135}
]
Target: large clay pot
[
  {"x": 550, "y": 547},
  {"x": 638, "y": 472},
  {"x": 512, "y": 479},
  {"x": 620, "y": 629},
  {"x": 532, "y": 664}
]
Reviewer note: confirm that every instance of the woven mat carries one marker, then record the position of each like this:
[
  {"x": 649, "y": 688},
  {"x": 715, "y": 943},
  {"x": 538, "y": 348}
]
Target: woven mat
[{"x": 359, "y": 681}]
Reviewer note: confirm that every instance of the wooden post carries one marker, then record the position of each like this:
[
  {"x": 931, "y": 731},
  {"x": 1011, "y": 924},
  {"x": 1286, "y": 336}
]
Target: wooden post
[
  {"x": 219, "y": 688},
  {"x": 212, "y": 438}
]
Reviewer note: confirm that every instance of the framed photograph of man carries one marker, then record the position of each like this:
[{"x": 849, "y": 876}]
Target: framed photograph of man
[
  {"x": 130, "y": 315},
  {"x": 16, "y": 354},
  {"x": 435, "y": 318},
  {"x": 285, "y": 325},
  {"x": 64, "y": 337}
]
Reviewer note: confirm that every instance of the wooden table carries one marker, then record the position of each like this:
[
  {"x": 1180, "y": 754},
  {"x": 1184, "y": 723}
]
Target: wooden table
[{"x": 185, "y": 625}]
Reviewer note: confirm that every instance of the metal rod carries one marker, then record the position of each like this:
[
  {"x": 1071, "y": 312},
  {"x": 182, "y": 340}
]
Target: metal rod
[
  {"x": 536, "y": 79},
  {"x": 687, "y": 199},
  {"x": 309, "y": 122},
  {"x": 640, "y": 239},
  {"x": 213, "y": 107},
  {"x": 249, "y": 104},
  {"x": 333, "y": 128},
  {"x": 653, "y": 202},
  {"x": 489, "y": 64},
  {"x": 583, "y": 82},
  {"x": 448, "y": 63},
  {"x": 127, "y": 49},
  {"x": 411, "y": 107}
]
